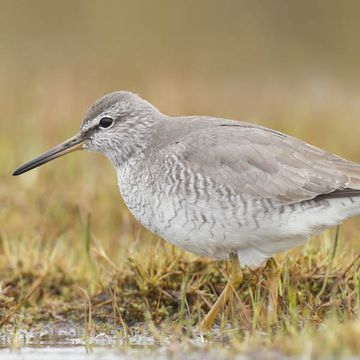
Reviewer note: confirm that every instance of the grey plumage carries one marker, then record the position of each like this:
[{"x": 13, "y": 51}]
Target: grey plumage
[
  {"x": 217, "y": 186},
  {"x": 257, "y": 161}
]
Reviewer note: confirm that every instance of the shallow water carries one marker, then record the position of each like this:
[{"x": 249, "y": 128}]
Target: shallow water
[
  {"x": 70, "y": 352},
  {"x": 60, "y": 340},
  {"x": 105, "y": 352}
]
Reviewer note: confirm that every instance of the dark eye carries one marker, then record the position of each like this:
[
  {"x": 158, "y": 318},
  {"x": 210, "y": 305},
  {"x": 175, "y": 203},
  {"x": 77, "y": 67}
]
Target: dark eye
[{"x": 106, "y": 122}]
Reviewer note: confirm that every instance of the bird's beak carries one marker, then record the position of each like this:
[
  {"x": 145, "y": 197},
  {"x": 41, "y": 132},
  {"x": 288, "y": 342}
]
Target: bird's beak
[{"x": 73, "y": 144}]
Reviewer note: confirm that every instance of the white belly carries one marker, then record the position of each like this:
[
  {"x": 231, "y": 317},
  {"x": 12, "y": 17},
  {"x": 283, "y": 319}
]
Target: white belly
[
  {"x": 215, "y": 232},
  {"x": 255, "y": 230}
]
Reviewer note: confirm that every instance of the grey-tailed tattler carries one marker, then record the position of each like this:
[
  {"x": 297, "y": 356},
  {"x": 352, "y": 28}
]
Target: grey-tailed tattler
[{"x": 216, "y": 187}]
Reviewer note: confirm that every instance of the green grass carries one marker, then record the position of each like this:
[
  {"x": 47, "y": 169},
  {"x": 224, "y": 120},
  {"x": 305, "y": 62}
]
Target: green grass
[
  {"x": 69, "y": 250},
  {"x": 307, "y": 298}
]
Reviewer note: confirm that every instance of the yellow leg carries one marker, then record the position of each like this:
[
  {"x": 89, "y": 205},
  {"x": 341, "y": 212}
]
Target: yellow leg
[
  {"x": 234, "y": 281},
  {"x": 272, "y": 273}
]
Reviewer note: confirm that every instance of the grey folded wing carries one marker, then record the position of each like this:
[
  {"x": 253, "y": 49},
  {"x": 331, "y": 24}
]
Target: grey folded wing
[{"x": 264, "y": 163}]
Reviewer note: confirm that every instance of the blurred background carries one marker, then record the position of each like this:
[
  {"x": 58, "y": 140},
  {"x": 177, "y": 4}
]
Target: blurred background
[{"x": 289, "y": 65}]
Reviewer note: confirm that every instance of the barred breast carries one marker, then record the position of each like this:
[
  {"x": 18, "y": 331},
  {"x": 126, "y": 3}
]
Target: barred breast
[{"x": 193, "y": 212}]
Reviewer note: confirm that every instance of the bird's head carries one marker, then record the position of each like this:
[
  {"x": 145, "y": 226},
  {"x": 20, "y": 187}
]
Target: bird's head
[{"x": 118, "y": 125}]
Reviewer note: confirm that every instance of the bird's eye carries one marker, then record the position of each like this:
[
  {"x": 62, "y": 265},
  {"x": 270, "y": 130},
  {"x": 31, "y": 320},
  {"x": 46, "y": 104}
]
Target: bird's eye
[{"x": 106, "y": 122}]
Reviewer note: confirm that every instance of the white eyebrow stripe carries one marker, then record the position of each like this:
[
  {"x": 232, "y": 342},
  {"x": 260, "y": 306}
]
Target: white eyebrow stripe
[{"x": 114, "y": 112}]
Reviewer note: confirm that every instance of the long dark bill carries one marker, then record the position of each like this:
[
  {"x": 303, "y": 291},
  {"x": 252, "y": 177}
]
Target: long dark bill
[{"x": 73, "y": 144}]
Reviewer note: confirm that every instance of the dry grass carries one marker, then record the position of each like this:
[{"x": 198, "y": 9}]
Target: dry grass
[
  {"x": 69, "y": 249},
  {"x": 67, "y": 240},
  {"x": 309, "y": 297}
]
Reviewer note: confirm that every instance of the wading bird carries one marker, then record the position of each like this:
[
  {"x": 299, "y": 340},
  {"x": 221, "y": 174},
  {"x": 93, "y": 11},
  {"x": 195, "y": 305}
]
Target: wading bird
[{"x": 220, "y": 188}]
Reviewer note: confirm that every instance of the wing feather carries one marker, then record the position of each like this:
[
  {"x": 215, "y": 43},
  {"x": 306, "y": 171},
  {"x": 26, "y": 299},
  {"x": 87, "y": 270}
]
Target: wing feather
[{"x": 263, "y": 163}]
